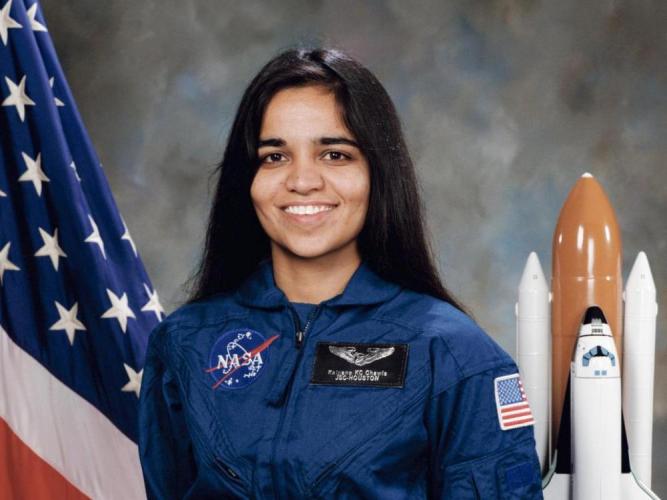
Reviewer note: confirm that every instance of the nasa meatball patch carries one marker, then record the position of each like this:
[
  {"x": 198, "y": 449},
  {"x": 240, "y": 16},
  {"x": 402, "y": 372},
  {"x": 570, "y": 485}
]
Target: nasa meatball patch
[
  {"x": 378, "y": 365},
  {"x": 511, "y": 402},
  {"x": 238, "y": 357}
]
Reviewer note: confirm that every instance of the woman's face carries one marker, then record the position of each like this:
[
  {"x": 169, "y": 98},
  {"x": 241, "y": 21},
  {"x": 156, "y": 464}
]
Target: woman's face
[{"x": 312, "y": 186}]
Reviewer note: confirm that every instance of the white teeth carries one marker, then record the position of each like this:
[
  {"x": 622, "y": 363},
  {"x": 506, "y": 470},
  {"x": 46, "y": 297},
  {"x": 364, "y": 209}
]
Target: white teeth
[{"x": 307, "y": 209}]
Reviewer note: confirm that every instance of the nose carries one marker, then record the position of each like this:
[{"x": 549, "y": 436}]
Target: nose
[{"x": 304, "y": 176}]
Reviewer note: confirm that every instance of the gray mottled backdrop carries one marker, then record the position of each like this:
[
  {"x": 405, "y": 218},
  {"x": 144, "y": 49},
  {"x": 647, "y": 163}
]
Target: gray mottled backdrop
[{"x": 505, "y": 104}]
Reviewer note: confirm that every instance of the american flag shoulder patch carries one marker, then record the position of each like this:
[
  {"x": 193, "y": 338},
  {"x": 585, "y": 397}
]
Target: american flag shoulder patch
[{"x": 511, "y": 402}]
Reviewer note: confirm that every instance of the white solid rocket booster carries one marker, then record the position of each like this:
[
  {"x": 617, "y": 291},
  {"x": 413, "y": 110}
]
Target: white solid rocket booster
[
  {"x": 533, "y": 342},
  {"x": 641, "y": 309}
]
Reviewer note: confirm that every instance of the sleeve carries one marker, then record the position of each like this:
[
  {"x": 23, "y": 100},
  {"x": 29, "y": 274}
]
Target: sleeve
[
  {"x": 471, "y": 456},
  {"x": 165, "y": 448}
]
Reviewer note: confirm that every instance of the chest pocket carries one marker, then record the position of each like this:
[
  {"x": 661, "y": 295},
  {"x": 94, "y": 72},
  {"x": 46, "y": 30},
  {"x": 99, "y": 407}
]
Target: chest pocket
[
  {"x": 211, "y": 410},
  {"x": 354, "y": 432}
]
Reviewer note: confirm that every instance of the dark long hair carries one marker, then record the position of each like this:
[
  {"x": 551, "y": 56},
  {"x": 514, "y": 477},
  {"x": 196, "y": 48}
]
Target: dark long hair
[{"x": 392, "y": 241}]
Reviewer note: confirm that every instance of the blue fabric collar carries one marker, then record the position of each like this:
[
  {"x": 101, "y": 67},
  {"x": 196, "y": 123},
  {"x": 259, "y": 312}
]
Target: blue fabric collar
[{"x": 364, "y": 287}]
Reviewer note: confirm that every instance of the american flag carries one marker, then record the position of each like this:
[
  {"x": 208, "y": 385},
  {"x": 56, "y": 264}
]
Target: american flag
[
  {"x": 76, "y": 304},
  {"x": 512, "y": 403}
]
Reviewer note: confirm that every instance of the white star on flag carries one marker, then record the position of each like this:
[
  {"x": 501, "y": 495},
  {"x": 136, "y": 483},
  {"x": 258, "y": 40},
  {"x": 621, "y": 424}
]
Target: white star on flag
[
  {"x": 34, "y": 172},
  {"x": 95, "y": 237},
  {"x": 36, "y": 25},
  {"x": 55, "y": 99},
  {"x": 50, "y": 248},
  {"x": 119, "y": 309},
  {"x": 7, "y": 22},
  {"x": 126, "y": 236},
  {"x": 5, "y": 263},
  {"x": 73, "y": 167},
  {"x": 17, "y": 96},
  {"x": 134, "y": 385},
  {"x": 2, "y": 193},
  {"x": 68, "y": 321},
  {"x": 153, "y": 304}
]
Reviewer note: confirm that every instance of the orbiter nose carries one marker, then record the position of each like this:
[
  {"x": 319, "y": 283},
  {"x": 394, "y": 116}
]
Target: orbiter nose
[{"x": 594, "y": 315}]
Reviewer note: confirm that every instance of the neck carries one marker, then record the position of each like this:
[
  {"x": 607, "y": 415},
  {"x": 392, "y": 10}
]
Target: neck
[{"x": 313, "y": 280}]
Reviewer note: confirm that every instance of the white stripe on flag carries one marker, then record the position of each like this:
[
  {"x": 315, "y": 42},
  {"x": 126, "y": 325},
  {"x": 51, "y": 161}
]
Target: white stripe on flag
[{"x": 65, "y": 430}]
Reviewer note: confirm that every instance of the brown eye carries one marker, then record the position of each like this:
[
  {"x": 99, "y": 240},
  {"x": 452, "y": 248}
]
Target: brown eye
[
  {"x": 337, "y": 155},
  {"x": 272, "y": 158}
]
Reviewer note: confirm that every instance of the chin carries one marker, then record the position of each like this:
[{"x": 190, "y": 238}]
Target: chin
[
  {"x": 308, "y": 253},
  {"x": 314, "y": 251}
]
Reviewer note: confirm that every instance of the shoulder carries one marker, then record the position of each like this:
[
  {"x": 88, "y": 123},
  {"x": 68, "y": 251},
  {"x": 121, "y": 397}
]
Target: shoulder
[
  {"x": 209, "y": 311},
  {"x": 190, "y": 316},
  {"x": 458, "y": 347}
]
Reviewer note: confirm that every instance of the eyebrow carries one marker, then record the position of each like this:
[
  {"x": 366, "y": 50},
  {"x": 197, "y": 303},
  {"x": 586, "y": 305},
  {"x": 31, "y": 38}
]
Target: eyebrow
[{"x": 325, "y": 141}]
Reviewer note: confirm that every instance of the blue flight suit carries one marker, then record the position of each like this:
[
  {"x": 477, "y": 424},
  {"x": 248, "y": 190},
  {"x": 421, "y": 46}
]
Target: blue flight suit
[{"x": 381, "y": 393}]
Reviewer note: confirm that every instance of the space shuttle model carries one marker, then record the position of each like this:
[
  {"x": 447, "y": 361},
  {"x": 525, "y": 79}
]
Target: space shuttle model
[{"x": 586, "y": 353}]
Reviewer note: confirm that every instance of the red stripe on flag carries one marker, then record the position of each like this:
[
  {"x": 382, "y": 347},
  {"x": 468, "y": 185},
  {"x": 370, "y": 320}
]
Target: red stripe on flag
[
  {"x": 23, "y": 474},
  {"x": 509, "y": 425},
  {"x": 514, "y": 408},
  {"x": 507, "y": 418}
]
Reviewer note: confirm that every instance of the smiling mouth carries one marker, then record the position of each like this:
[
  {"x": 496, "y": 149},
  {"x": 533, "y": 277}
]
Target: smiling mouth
[{"x": 308, "y": 209}]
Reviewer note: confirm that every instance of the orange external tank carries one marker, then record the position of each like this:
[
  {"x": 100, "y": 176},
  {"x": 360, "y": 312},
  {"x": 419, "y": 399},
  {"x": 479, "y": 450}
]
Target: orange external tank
[{"x": 586, "y": 271}]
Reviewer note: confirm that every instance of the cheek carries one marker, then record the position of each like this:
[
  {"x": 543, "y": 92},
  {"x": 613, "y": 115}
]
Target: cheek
[
  {"x": 353, "y": 185},
  {"x": 360, "y": 189},
  {"x": 261, "y": 192},
  {"x": 367, "y": 193}
]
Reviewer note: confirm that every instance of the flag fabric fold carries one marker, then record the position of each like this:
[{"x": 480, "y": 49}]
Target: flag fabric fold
[{"x": 76, "y": 304}]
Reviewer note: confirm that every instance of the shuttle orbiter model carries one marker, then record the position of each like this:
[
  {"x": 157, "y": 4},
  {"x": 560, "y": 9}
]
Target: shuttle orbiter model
[{"x": 586, "y": 352}]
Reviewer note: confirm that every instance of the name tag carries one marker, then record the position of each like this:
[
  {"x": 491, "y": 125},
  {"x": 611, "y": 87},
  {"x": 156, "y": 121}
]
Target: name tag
[{"x": 379, "y": 365}]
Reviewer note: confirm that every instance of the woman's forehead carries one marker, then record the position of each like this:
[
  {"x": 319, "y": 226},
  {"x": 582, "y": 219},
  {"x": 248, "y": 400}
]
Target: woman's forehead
[{"x": 303, "y": 113}]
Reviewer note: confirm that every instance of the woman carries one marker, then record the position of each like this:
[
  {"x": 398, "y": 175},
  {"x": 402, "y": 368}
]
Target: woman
[{"x": 320, "y": 355}]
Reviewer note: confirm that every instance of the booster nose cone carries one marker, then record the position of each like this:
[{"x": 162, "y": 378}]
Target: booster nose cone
[
  {"x": 640, "y": 277},
  {"x": 532, "y": 279},
  {"x": 594, "y": 315}
]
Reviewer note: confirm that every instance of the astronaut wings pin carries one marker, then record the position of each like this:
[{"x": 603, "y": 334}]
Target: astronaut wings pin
[{"x": 351, "y": 355}]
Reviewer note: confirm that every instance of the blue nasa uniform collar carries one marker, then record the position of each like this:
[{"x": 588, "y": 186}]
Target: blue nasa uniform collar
[{"x": 365, "y": 287}]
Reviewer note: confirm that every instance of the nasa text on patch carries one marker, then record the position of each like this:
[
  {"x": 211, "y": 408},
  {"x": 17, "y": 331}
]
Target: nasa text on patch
[
  {"x": 378, "y": 365},
  {"x": 238, "y": 357}
]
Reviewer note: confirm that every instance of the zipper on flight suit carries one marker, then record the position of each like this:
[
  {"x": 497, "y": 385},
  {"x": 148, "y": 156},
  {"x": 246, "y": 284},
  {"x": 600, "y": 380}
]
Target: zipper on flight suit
[
  {"x": 299, "y": 336},
  {"x": 237, "y": 482},
  {"x": 300, "y": 333}
]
